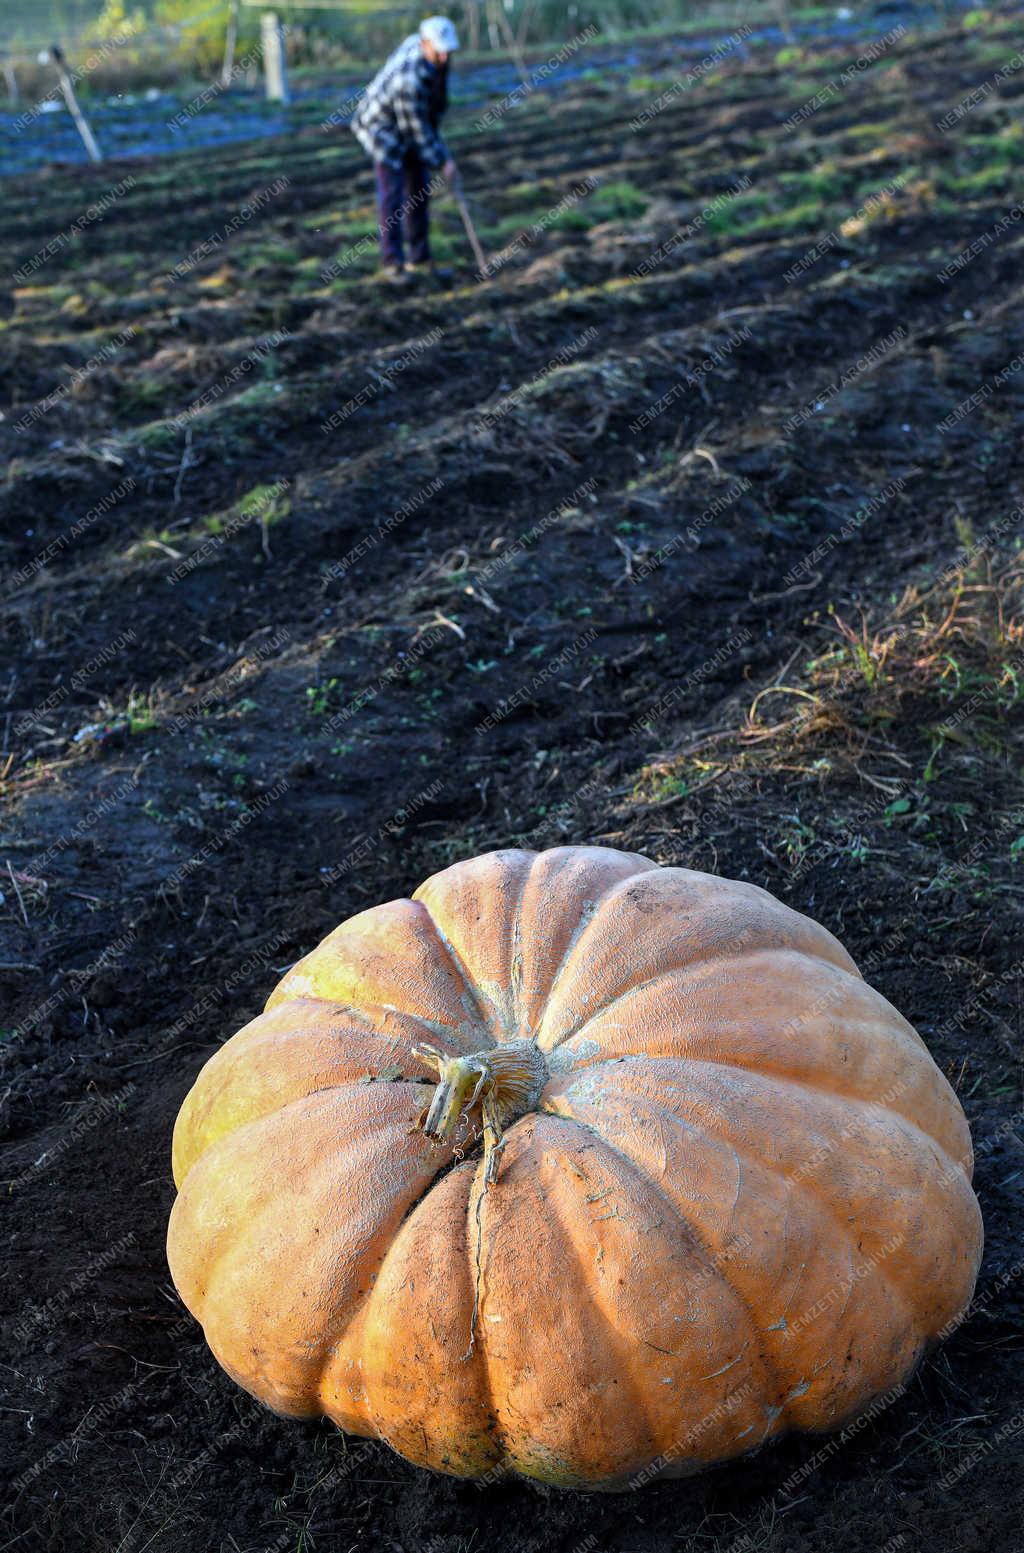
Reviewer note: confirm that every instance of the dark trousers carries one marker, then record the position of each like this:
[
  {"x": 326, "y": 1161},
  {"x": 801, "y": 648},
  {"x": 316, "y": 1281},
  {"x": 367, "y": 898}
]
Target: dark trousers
[{"x": 403, "y": 205}]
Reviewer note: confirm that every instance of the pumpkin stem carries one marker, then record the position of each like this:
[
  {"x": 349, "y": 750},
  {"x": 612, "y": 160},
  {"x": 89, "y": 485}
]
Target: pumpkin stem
[{"x": 507, "y": 1080}]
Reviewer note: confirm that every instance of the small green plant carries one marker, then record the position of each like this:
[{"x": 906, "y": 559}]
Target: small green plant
[
  {"x": 319, "y": 697},
  {"x": 268, "y": 503},
  {"x": 864, "y": 652},
  {"x": 619, "y": 201},
  {"x": 730, "y": 217},
  {"x": 951, "y": 676},
  {"x": 666, "y": 784},
  {"x": 797, "y": 839},
  {"x": 938, "y": 743}
]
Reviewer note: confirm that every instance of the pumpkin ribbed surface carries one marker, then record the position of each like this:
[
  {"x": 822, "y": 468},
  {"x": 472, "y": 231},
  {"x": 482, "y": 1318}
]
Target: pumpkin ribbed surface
[{"x": 738, "y": 1203}]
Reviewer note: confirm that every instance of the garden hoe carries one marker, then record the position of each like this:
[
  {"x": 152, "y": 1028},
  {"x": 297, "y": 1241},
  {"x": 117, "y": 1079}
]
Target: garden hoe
[{"x": 467, "y": 222}]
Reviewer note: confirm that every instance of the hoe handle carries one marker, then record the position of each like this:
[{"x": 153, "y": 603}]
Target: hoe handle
[{"x": 467, "y": 222}]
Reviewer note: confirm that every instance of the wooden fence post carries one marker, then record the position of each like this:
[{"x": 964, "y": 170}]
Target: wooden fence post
[
  {"x": 492, "y": 27},
  {"x": 524, "y": 22},
  {"x": 274, "y": 71},
  {"x": 67, "y": 87},
  {"x": 473, "y": 22},
  {"x": 230, "y": 38},
  {"x": 496, "y": 11}
]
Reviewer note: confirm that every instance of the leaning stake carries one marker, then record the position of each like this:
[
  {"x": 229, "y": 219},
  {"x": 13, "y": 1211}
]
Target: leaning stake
[{"x": 66, "y": 86}]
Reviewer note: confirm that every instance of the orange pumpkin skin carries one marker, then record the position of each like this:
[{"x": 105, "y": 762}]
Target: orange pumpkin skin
[{"x": 740, "y": 1202}]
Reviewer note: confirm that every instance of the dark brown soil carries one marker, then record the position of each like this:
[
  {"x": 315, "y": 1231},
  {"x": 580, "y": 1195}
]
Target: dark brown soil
[{"x": 224, "y": 735}]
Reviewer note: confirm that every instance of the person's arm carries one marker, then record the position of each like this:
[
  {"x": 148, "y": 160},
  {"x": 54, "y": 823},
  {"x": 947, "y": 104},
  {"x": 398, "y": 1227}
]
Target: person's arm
[{"x": 412, "y": 113}]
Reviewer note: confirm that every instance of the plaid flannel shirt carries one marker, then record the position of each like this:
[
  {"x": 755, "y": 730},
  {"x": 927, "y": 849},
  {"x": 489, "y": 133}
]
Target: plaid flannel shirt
[{"x": 400, "y": 108}]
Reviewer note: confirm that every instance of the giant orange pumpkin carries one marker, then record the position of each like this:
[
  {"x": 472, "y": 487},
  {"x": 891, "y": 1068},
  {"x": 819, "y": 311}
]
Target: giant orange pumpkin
[{"x": 575, "y": 1167}]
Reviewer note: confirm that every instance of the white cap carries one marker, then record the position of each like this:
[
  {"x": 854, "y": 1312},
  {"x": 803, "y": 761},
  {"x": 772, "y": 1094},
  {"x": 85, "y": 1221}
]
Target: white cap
[{"x": 439, "y": 31}]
